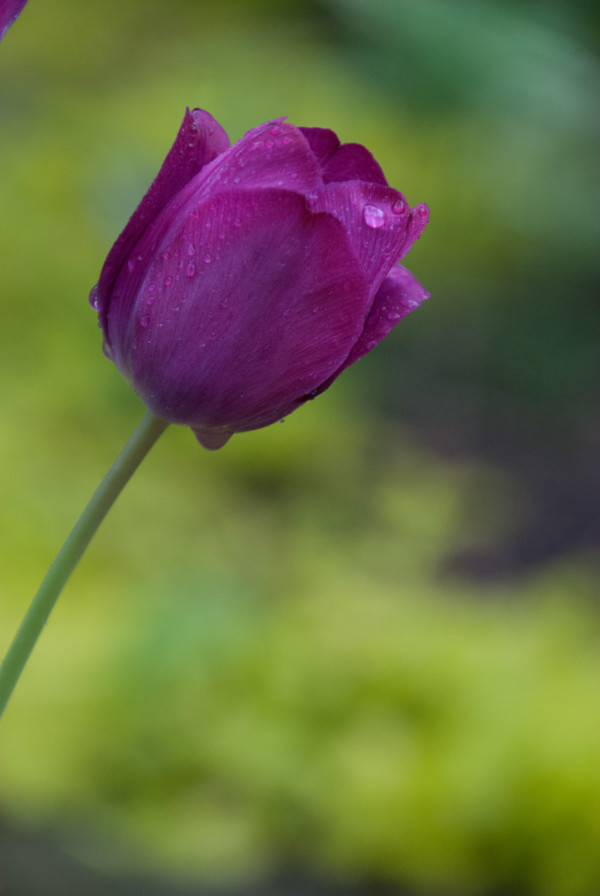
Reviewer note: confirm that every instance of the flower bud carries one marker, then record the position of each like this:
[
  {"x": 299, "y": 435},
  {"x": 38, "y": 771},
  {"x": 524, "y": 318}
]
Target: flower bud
[{"x": 251, "y": 275}]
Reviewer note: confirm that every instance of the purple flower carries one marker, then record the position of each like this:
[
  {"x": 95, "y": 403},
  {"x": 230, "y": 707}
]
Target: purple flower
[
  {"x": 9, "y": 12},
  {"x": 250, "y": 276}
]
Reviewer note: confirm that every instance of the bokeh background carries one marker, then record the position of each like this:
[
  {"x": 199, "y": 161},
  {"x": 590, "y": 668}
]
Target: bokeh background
[{"x": 358, "y": 652}]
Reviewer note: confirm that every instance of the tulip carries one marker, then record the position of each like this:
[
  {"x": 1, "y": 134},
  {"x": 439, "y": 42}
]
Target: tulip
[
  {"x": 251, "y": 275},
  {"x": 10, "y": 10}
]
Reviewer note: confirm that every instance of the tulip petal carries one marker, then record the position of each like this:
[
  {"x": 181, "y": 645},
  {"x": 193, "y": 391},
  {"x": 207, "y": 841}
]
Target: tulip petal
[
  {"x": 275, "y": 154},
  {"x": 419, "y": 217},
  {"x": 200, "y": 140},
  {"x": 322, "y": 141},
  {"x": 10, "y": 11},
  {"x": 376, "y": 219},
  {"x": 351, "y": 161},
  {"x": 267, "y": 307},
  {"x": 399, "y": 294}
]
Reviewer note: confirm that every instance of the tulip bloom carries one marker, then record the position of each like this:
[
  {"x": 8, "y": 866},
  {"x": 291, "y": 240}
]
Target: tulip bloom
[
  {"x": 250, "y": 276},
  {"x": 10, "y": 10}
]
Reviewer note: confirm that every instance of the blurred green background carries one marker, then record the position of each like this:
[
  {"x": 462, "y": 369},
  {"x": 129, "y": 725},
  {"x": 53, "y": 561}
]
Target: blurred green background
[{"x": 358, "y": 652}]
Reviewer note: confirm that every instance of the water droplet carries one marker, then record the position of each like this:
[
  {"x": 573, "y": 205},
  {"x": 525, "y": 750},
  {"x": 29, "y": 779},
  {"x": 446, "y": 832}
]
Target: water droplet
[
  {"x": 94, "y": 300},
  {"x": 269, "y": 144},
  {"x": 144, "y": 321},
  {"x": 165, "y": 256},
  {"x": 176, "y": 253},
  {"x": 168, "y": 281},
  {"x": 393, "y": 315},
  {"x": 207, "y": 258},
  {"x": 150, "y": 302},
  {"x": 191, "y": 250},
  {"x": 151, "y": 288},
  {"x": 311, "y": 198},
  {"x": 371, "y": 344},
  {"x": 373, "y": 216},
  {"x": 275, "y": 129},
  {"x": 287, "y": 140},
  {"x": 399, "y": 207},
  {"x": 190, "y": 270},
  {"x": 237, "y": 179},
  {"x": 130, "y": 264},
  {"x": 237, "y": 222},
  {"x": 423, "y": 211}
]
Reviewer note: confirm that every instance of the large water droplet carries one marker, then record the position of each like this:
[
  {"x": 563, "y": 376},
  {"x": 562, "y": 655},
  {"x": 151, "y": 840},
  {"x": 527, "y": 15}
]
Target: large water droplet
[{"x": 373, "y": 216}]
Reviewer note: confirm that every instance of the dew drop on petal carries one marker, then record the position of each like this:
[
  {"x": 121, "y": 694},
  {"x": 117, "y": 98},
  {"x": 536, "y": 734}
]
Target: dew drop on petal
[
  {"x": 168, "y": 281},
  {"x": 130, "y": 264},
  {"x": 207, "y": 258},
  {"x": 144, "y": 321},
  {"x": 191, "y": 250},
  {"x": 373, "y": 216},
  {"x": 94, "y": 300},
  {"x": 190, "y": 270},
  {"x": 399, "y": 207}
]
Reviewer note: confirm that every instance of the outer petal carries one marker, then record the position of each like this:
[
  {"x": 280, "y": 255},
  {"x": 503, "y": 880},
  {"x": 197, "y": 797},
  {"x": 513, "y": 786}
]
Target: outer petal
[
  {"x": 399, "y": 294},
  {"x": 10, "y": 10},
  {"x": 376, "y": 219},
  {"x": 275, "y": 154},
  {"x": 419, "y": 217},
  {"x": 200, "y": 140},
  {"x": 254, "y": 303}
]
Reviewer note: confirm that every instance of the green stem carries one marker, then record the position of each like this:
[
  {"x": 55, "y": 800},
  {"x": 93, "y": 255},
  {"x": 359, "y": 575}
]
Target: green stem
[{"x": 144, "y": 437}]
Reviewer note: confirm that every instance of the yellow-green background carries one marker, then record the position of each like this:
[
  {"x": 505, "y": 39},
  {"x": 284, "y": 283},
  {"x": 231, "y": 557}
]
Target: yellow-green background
[{"x": 363, "y": 645}]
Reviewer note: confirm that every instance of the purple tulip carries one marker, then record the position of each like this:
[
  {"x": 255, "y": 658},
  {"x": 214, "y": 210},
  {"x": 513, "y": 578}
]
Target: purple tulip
[
  {"x": 10, "y": 10},
  {"x": 250, "y": 276}
]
